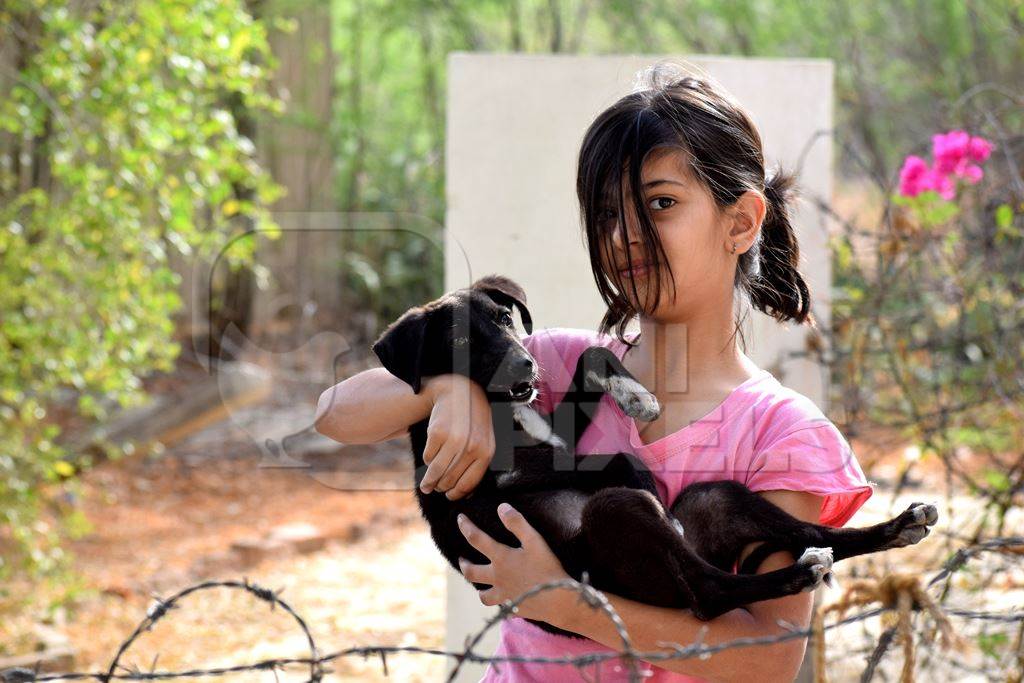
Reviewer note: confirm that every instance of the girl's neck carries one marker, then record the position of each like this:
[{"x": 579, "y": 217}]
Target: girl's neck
[{"x": 699, "y": 357}]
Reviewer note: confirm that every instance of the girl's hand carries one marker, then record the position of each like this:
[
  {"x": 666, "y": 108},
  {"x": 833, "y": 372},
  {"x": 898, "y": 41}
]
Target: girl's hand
[
  {"x": 460, "y": 436},
  {"x": 513, "y": 571}
]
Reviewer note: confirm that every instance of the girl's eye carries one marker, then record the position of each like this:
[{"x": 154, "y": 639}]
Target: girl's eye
[
  {"x": 607, "y": 215},
  {"x": 657, "y": 205}
]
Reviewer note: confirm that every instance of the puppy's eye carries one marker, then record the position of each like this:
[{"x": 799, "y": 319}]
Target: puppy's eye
[
  {"x": 460, "y": 341},
  {"x": 506, "y": 319}
]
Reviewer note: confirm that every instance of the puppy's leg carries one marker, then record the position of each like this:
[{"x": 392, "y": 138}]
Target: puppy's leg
[
  {"x": 604, "y": 372},
  {"x": 598, "y": 371},
  {"x": 639, "y": 553},
  {"x": 907, "y": 528},
  {"x": 725, "y": 516}
]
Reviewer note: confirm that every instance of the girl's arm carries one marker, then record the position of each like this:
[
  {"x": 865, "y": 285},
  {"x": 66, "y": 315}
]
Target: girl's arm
[
  {"x": 514, "y": 570},
  {"x": 374, "y": 405}
]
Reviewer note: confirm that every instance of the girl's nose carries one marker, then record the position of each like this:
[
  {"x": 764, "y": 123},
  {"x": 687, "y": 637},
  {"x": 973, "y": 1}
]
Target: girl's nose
[{"x": 631, "y": 229}]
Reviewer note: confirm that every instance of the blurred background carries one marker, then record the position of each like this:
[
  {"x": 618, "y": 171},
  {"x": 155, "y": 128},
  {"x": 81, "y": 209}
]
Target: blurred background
[{"x": 208, "y": 211}]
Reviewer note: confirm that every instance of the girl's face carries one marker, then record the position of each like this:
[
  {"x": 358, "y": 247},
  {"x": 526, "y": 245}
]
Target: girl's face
[{"x": 694, "y": 235}]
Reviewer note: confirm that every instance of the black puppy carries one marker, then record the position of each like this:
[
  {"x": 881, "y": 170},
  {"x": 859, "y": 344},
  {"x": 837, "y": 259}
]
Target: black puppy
[{"x": 600, "y": 513}]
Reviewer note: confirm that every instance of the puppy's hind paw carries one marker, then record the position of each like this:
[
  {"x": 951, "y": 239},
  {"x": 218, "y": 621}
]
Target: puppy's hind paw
[
  {"x": 818, "y": 562},
  {"x": 914, "y": 524},
  {"x": 924, "y": 513}
]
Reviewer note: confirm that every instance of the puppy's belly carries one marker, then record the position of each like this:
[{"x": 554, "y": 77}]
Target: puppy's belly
[{"x": 556, "y": 514}]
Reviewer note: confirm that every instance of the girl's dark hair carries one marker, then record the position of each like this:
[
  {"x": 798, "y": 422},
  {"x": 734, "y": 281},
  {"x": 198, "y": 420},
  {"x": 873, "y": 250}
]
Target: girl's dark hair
[{"x": 669, "y": 109}]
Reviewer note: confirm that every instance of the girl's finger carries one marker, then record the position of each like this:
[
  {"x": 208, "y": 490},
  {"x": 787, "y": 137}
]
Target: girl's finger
[
  {"x": 434, "y": 443},
  {"x": 437, "y": 468},
  {"x": 517, "y": 524},
  {"x": 468, "y": 481},
  {"x": 478, "y": 539},
  {"x": 454, "y": 472},
  {"x": 477, "y": 573}
]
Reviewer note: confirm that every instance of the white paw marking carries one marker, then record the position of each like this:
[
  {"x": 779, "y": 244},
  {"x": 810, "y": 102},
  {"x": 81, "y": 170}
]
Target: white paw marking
[
  {"x": 820, "y": 562},
  {"x": 631, "y": 396},
  {"x": 925, "y": 514},
  {"x": 922, "y": 517},
  {"x": 678, "y": 526},
  {"x": 822, "y": 556}
]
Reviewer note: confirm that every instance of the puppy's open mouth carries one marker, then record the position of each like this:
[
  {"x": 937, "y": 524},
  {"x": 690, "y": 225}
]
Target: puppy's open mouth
[{"x": 523, "y": 391}]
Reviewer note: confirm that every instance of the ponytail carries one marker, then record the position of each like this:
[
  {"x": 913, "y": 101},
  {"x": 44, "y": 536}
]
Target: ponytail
[{"x": 769, "y": 271}]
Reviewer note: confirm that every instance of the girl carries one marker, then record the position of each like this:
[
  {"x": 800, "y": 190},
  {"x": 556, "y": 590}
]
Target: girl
[{"x": 674, "y": 197}]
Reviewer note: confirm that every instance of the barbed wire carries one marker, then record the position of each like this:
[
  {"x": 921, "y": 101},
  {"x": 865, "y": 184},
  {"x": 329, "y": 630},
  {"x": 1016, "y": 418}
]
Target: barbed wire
[{"x": 902, "y": 593}]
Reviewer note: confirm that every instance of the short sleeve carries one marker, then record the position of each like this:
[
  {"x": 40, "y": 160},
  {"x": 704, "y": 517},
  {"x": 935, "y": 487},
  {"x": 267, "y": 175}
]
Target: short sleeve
[{"x": 816, "y": 459}]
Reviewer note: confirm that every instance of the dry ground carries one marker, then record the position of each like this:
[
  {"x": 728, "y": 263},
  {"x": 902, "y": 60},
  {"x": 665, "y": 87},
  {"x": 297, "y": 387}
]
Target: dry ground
[{"x": 163, "y": 523}]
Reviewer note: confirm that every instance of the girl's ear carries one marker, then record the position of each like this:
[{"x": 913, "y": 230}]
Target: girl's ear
[
  {"x": 506, "y": 292},
  {"x": 400, "y": 347},
  {"x": 747, "y": 216}
]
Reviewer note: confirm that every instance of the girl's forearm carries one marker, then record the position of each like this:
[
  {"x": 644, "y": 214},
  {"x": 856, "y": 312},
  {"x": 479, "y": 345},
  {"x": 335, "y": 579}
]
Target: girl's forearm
[
  {"x": 371, "y": 406},
  {"x": 648, "y": 625}
]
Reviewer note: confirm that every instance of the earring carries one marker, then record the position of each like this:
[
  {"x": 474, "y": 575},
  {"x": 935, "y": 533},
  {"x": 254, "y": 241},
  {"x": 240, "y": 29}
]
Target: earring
[{"x": 733, "y": 248}]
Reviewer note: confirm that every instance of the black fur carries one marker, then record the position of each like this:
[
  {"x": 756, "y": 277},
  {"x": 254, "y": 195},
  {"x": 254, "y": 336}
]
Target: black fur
[{"x": 601, "y": 513}]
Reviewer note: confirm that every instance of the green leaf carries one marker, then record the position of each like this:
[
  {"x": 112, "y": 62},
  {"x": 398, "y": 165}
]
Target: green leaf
[{"x": 1004, "y": 216}]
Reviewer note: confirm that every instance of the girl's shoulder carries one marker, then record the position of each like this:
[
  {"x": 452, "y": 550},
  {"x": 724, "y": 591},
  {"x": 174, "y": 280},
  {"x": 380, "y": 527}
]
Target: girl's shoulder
[
  {"x": 775, "y": 411},
  {"x": 794, "y": 446}
]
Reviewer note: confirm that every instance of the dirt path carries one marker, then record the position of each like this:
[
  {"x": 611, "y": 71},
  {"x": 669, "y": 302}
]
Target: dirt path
[
  {"x": 165, "y": 523},
  {"x": 161, "y": 526}
]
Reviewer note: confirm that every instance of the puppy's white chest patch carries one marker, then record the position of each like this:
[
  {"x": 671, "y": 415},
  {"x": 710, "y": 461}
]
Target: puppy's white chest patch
[{"x": 535, "y": 425}]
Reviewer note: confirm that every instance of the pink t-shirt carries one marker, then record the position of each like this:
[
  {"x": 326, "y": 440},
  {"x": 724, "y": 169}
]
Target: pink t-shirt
[{"x": 763, "y": 435}]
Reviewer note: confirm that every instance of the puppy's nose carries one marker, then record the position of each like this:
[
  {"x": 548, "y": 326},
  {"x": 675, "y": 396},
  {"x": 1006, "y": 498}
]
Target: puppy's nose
[{"x": 525, "y": 363}]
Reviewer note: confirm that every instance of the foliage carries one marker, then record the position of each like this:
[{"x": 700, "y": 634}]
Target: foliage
[
  {"x": 928, "y": 319},
  {"x": 118, "y": 145},
  {"x": 900, "y": 67}
]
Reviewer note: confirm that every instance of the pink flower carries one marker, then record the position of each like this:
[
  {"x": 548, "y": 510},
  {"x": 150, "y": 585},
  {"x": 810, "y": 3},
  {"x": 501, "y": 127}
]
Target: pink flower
[
  {"x": 949, "y": 150},
  {"x": 943, "y": 184},
  {"x": 979, "y": 149},
  {"x": 953, "y": 152},
  {"x": 912, "y": 176},
  {"x": 973, "y": 173}
]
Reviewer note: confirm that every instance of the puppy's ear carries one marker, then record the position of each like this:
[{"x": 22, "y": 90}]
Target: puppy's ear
[
  {"x": 400, "y": 347},
  {"x": 506, "y": 292}
]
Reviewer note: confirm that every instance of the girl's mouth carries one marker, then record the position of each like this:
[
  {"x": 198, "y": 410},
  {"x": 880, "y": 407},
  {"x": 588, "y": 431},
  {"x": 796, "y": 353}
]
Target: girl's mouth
[{"x": 637, "y": 270}]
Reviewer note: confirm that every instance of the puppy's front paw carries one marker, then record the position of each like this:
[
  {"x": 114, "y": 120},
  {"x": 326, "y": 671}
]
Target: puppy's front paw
[
  {"x": 635, "y": 400},
  {"x": 818, "y": 563},
  {"x": 642, "y": 406}
]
